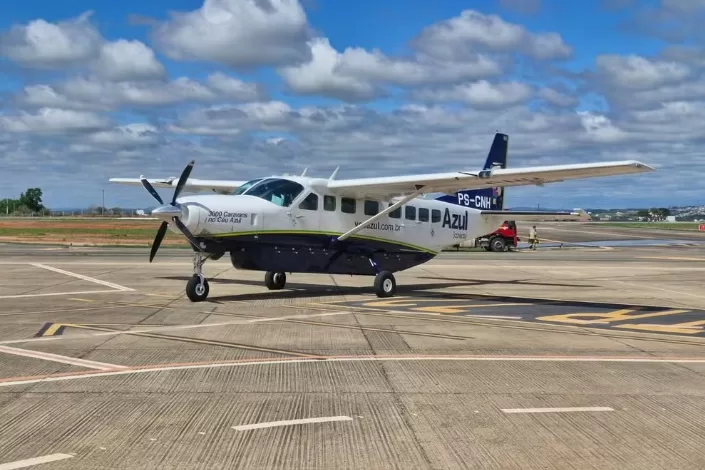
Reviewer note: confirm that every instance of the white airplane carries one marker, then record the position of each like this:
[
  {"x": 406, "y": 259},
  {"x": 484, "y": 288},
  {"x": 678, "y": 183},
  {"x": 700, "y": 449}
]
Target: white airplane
[{"x": 365, "y": 226}]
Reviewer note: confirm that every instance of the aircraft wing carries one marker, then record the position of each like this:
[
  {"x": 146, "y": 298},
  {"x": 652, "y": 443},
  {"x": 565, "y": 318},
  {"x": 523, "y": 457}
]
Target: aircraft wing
[
  {"x": 537, "y": 216},
  {"x": 192, "y": 184},
  {"x": 385, "y": 187}
]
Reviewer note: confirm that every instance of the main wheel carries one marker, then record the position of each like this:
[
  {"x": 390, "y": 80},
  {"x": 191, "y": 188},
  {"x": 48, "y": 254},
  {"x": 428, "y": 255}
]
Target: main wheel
[
  {"x": 195, "y": 291},
  {"x": 385, "y": 284},
  {"x": 274, "y": 281},
  {"x": 498, "y": 244}
]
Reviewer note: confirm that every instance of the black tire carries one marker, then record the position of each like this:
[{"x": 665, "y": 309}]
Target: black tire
[
  {"x": 274, "y": 281},
  {"x": 385, "y": 284},
  {"x": 498, "y": 244},
  {"x": 194, "y": 291}
]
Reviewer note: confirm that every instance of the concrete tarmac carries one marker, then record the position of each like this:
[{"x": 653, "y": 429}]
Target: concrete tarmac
[{"x": 582, "y": 358}]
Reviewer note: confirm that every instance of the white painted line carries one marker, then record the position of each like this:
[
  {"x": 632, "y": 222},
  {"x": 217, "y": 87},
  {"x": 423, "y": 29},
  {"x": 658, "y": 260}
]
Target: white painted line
[
  {"x": 162, "y": 368},
  {"x": 271, "y": 424},
  {"x": 557, "y": 410},
  {"x": 60, "y": 293},
  {"x": 57, "y": 358},
  {"x": 34, "y": 461},
  {"x": 81, "y": 276}
]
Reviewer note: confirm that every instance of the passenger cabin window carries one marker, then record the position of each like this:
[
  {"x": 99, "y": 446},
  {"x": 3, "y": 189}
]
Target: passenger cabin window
[
  {"x": 310, "y": 203},
  {"x": 329, "y": 203},
  {"x": 423, "y": 214},
  {"x": 348, "y": 205},
  {"x": 371, "y": 207},
  {"x": 435, "y": 216},
  {"x": 396, "y": 213},
  {"x": 281, "y": 192},
  {"x": 410, "y": 213}
]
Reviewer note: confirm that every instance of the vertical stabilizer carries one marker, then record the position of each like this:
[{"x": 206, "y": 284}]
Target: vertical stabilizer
[{"x": 486, "y": 198}]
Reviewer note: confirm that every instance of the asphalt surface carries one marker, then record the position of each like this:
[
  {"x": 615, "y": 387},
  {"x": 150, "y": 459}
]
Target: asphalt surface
[{"x": 558, "y": 358}]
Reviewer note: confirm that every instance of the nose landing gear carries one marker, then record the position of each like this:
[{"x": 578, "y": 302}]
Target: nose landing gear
[{"x": 197, "y": 287}]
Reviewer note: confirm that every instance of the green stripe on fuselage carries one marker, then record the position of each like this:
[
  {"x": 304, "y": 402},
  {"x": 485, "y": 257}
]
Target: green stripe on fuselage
[{"x": 314, "y": 232}]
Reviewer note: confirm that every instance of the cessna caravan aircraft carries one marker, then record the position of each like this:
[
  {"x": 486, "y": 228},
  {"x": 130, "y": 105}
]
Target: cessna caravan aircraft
[{"x": 364, "y": 226}]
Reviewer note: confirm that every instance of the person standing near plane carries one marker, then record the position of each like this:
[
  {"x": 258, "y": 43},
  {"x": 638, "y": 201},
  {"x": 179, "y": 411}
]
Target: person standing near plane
[{"x": 533, "y": 238}]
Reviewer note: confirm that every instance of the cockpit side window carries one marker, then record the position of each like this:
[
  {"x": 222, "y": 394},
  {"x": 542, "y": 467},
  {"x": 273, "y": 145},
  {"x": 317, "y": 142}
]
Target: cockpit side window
[
  {"x": 246, "y": 186},
  {"x": 279, "y": 191}
]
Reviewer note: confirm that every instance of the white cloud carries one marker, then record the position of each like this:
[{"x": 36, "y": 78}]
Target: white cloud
[
  {"x": 128, "y": 60},
  {"x": 53, "y": 120},
  {"x": 42, "y": 44},
  {"x": 481, "y": 94},
  {"x": 639, "y": 73},
  {"x": 557, "y": 98},
  {"x": 77, "y": 43},
  {"x": 95, "y": 94},
  {"x": 238, "y": 33},
  {"x": 472, "y": 31}
]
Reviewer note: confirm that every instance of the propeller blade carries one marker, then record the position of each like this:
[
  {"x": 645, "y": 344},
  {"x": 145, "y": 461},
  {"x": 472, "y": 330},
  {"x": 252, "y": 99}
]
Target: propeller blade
[
  {"x": 187, "y": 233},
  {"x": 148, "y": 186},
  {"x": 158, "y": 240},
  {"x": 182, "y": 180}
]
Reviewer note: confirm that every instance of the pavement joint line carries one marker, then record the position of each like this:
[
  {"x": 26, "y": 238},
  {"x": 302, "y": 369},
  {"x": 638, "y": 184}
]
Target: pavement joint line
[
  {"x": 8, "y": 382},
  {"x": 186, "y": 339},
  {"x": 169, "y": 328},
  {"x": 83, "y": 277},
  {"x": 54, "y": 294}
]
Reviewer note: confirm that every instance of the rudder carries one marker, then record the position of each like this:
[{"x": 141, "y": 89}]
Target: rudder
[{"x": 486, "y": 198}]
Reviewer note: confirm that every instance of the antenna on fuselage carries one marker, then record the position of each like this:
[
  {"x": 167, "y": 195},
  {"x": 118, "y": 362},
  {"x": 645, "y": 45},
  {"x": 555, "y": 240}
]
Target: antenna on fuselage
[
  {"x": 335, "y": 172},
  {"x": 304, "y": 172}
]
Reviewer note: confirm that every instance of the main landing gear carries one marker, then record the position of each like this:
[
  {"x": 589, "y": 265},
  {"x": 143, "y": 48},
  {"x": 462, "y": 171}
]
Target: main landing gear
[
  {"x": 197, "y": 287},
  {"x": 385, "y": 285},
  {"x": 274, "y": 281}
]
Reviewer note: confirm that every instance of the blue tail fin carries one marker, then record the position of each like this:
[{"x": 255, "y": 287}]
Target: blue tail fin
[{"x": 487, "y": 198}]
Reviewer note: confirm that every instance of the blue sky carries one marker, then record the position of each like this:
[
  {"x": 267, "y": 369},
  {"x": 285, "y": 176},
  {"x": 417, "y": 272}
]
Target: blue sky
[{"x": 127, "y": 88}]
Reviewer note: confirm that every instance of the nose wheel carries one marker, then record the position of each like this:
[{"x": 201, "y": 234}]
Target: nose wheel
[{"x": 197, "y": 287}]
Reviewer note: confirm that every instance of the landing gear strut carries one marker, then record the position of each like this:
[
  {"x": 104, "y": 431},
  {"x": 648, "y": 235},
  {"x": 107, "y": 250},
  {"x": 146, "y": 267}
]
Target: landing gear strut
[
  {"x": 197, "y": 287},
  {"x": 274, "y": 281},
  {"x": 385, "y": 285}
]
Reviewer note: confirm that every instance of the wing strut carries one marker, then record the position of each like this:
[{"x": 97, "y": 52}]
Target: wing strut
[{"x": 353, "y": 231}]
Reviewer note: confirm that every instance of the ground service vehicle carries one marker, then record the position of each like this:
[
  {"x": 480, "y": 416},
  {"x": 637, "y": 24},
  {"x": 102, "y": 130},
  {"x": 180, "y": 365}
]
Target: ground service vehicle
[{"x": 505, "y": 237}]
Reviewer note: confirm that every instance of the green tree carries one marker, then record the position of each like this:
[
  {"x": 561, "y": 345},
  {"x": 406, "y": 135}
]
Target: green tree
[
  {"x": 32, "y": 198},
  {"x": 644, "y": 213}
]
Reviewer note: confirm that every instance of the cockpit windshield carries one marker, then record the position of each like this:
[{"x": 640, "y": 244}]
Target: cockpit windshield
[
  {"x": 246, "y": 186},
  {"x": 279, "y": 191}
]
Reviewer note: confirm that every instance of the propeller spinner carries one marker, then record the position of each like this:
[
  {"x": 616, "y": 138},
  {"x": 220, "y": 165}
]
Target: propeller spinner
[{"x": 172, "y": 209}]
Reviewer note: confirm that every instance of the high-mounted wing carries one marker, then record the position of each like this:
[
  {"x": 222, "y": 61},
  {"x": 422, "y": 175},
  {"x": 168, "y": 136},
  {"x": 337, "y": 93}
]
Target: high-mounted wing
[
  {"x": 537, "y": 216},
  {"x": 192, "y": 184},
  {"x": 387, "y": 187}
]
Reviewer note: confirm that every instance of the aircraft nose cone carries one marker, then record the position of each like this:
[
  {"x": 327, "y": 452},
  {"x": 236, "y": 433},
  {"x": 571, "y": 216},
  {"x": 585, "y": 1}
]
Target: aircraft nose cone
[{"x": 166, "y": 212}]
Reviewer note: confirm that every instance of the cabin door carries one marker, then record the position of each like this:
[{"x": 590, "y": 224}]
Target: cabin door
[{"x": 307, "y": 214}]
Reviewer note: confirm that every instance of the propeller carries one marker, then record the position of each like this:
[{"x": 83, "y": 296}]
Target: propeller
[{"x": 172, "y": 209}]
